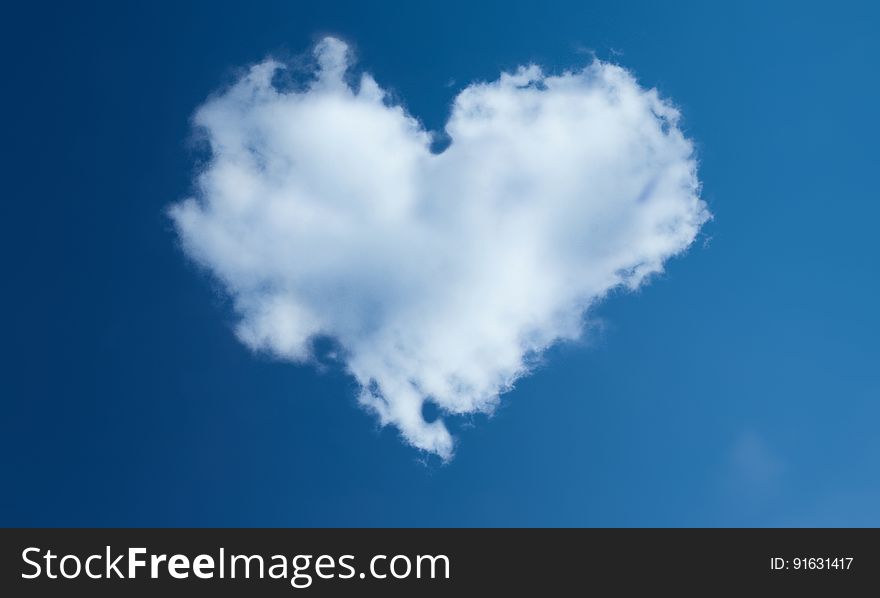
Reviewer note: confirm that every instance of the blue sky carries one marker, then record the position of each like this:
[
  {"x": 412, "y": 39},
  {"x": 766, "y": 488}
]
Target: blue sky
[{"x": 738, "y": 388}]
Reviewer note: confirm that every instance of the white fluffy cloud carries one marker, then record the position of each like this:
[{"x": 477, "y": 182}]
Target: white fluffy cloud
[{"x": 324, "y": 212}]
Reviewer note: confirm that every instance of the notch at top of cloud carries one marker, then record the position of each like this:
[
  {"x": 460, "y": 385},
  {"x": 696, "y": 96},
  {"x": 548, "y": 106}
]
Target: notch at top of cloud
[{"x": 324, "y": 212}]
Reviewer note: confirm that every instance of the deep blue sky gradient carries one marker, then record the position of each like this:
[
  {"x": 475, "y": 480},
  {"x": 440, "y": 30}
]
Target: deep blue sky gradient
[{"x": 740, "y": 388}]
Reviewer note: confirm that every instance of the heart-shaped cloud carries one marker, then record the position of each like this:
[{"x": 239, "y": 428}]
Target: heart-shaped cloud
[{"x": 324, "y": 212}]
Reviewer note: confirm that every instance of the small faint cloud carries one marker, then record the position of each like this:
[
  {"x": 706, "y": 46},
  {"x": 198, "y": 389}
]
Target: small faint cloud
[{"x": 754, "y": 469}]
